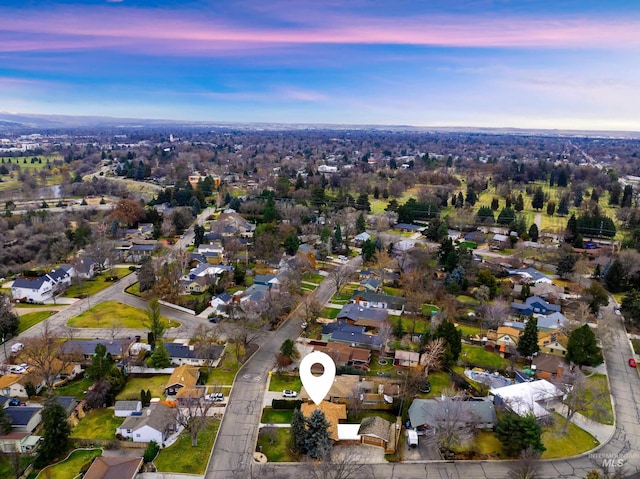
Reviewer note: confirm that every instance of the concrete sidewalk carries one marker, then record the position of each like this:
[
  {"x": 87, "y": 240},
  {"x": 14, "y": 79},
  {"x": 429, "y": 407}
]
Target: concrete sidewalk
[{"x": 602, "y": 432}]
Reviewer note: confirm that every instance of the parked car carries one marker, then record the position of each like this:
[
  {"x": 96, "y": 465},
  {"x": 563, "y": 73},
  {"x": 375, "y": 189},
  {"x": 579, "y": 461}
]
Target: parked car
[
  {"x": 289, "y": 393},
  {"x": 215, "y": 397},
  {"x": 17, "y": 347},
  {"x": 16, "y": 402},
  {"x": 632, "y": 362}
]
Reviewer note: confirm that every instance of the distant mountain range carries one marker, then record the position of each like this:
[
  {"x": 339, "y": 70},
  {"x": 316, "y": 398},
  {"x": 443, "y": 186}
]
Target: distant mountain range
[{"x": 25, "y": 122}]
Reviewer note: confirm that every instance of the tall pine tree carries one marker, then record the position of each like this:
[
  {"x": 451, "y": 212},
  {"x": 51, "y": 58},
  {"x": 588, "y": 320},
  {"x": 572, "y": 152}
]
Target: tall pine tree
[
  {"x": 55, "y": 440},
  {"x": 528, "y": 343},
  {"x": 318, "y": 439}
]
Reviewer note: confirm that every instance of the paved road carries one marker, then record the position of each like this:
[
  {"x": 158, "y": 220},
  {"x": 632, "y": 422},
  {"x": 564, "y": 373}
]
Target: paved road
[
  {"x": 624, "y": 446},
  {"x": 232, "y": 455}
]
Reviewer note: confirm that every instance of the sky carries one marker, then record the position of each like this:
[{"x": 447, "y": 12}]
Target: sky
[{"x": 566, "y": 64}]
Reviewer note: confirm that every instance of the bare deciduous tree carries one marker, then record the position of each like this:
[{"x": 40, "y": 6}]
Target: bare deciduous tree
[
  {"x": 494, "y": 314},
  {"x": 581, "y": 396},
  {"x": 43, "y": 353},
  {"x": 526, "y": 466},
  {"x": 340, "y": 276},
  {"x": 342, "y": 463},
  {"x": 206, "y": 339},
  {"x": 192, "y": 414},
  {"x": 453, "y": 419},
  {"x": 432, "y": 356}
]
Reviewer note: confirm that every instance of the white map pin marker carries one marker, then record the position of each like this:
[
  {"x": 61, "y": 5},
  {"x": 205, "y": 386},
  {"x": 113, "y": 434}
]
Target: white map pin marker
[{"x": 317, "y": 386}]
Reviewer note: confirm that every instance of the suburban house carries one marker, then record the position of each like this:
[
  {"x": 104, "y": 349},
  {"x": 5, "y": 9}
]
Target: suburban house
[
  {"x": 357, "y": 315},
  {"x": 21, "y": 442},
  {"x": 553, "y": 321},
  {"x": 69, "y": 403},
  {"x": 11, "y": 386},
  {"x": 345, "y": 355},
  {"x": 212, "y": 253},
  {"x": 376, "y": 431},
  {"x": 155, "y": 424},
  {"x": 428, "y": 414},
  {"x": 192, "y": 355},
  {"x": 108, "y": 467},
  {"x": 83, "y": 349},
  {"x": 182, "y": 380},
  {"x": 543, "y": 290},
  {"x": 553, "y": 342},
  {"x": 356, "y": 336},
  {"x": 41, "y": 288},
  {"x": 370, "y": 284},
  {"x": 406, "y": 227},
  {"x": 344, "y": 388},
  {"x": 231, "y": 224},
  {"x": 549, "y": 366},
  {"x": 84, "y": 268},
  {"x": 23, "y": 418},
  {"x": 359, "y": 239},
  {"x": 127, "y": 408},
  {"x": 536, "y": 397},
  {"x": 534, "y": 305},
  {"x": 334, "y": 413},
  {"x": 507, "y": 336},
  {"x": 393, "y": 304},
  {"x": 529, "y": 276}
]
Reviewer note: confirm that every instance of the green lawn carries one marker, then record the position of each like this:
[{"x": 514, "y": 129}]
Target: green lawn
[
  {"x": 97, "y": 424},
  {"x": 576, "y": 441},
  {"x": 276, "y": 416},
  {"x": 329, "y": 313},
  {"x": 357, "y": 418},
  {"x": 31, "y": 319},
  {"x": 182, "y": 457},
  {"x": 604, "y": 411},
  {"x": 468, "y": 300},
  {"x": 70, "y": 467},
  {"x": 274, "y": 443},
  {"x": 75, "y": 388},
  {"x": 477, "y": 356},
  {"x": 376, "y": 369},
  {"x": 280, "y": 382},
  {"x": 439, "y": 380},
  {"x": 132, "y": 389},
  {"x": 134, "y": 289},
  {"x": 95, "y": 285},
  {"x": 412, "y": 325},
  {"x": 314, "y": 278},
  {"x": 468, "y": 329},
  {"x": 6, "y": 468},
  {"x": 225, "y": 373},
  {"x": 110, "y": 313},
  {"x": 636, "y": 345}
]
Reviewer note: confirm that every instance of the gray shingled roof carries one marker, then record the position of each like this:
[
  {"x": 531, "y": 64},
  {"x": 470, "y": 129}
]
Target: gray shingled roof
[{"x": 375, "y": 426}]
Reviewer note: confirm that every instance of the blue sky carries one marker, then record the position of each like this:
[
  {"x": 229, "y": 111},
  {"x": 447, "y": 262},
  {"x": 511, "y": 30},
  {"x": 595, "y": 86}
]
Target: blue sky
[{"x": 524, "y": 63}]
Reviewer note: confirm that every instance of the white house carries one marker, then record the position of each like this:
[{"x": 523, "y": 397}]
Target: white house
[
  {"x": 127, "y": 408},
  {"x": 42, "y": 288},
  {"x": 536, "y": 397},
  {"x": 155, "y": 424},
  {"x": 10, "y": 386}
]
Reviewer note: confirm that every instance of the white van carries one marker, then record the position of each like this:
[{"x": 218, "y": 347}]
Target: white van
[
  {"x": 412, "y": 438},
  {"x": 16, "y": 348}
]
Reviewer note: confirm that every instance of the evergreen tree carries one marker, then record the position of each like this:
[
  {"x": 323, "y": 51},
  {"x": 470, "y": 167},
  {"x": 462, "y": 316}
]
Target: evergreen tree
[
  {"x": 318, "y": 439},
  {"x": 198, "y": 235},
  {"x": 572, "y": 228},
  {"x": 563, "y": 179},
  {"x": 551, "y": 208},
  {"x": 563, "y": 206},
  {"x": 566, "y": 264},
  {"x": 5, "y": 423},
  {"x": 537, "y": 202},
  {"x": 337, "y": 235},
  {"x": 485, "y": 215},
  {"x": 614, "y": 194},
  {"x": 627, "y": 197},
  {"x": 298, "y": 432},
  {"x": 291, "y": 244},
  {"x": 471, "y": 197},
  {"x": 453, "y": 341},
  {"x": 582, "y": 348},
  {"x": 361, "y": 224},
  {"x": 363, "y": 202},
  {"x": 630, "y": 306},
  {"x": 517, "y": 433},
  {"x": 495, "y": 203},
  {"x": 506, "y": 216},
  {"x": 615, "y": 277},
  {"x": 368, "y": 251},
  {"x": 55, "y": 440},
  {"x": 269, "y": 212},
  {"x": 101, "y": 363},
  {"x": 533, "y": 232},
  {"x": 459, "y": 200},
  {"x": 525, "y": 292},
  {"x": 160, "y": 357},
  {"x": 528, "y": 343}
]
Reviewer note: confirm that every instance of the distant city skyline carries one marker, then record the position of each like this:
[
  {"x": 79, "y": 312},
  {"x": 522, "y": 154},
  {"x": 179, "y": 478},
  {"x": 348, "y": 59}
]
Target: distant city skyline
[{"x": 480, "y": 63}]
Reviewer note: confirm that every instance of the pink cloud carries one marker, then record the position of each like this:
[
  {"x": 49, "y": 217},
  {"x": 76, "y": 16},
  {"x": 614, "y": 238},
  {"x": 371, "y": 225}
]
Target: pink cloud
[{"x": 179, "y": 33}]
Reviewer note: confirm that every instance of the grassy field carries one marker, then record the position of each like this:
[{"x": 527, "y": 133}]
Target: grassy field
[
  {"x": 6, "y": 468},
  {"x": 110, "y": 313},
  {"x": 603, "y": 412},
  {"x": 93, "y": 286},
  {"x": 274, "y": 443},
  {"x": 280, "y": 382},
  {"x": 329, "y": 313},
  {"x": 70, "y": 467},
  {"x": 314, "y": 278},
  {"x": 576, "y": 441},
  {"x": 357, "y": 418},
  {"x": 225, "y": 373},
  {"x": 75, "y": 388},
  {"x": 276, "y": 416},
  {"x": 31, "y": 319},
  {"x": 134, "y": 289},
  {"x": 132, "y": 389},
  {"x": 98, "y": 424},
  {"x": 468, "y": 329},
  {"x": 477, "y": 356},
  {"x": 184, "y": 458}
]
